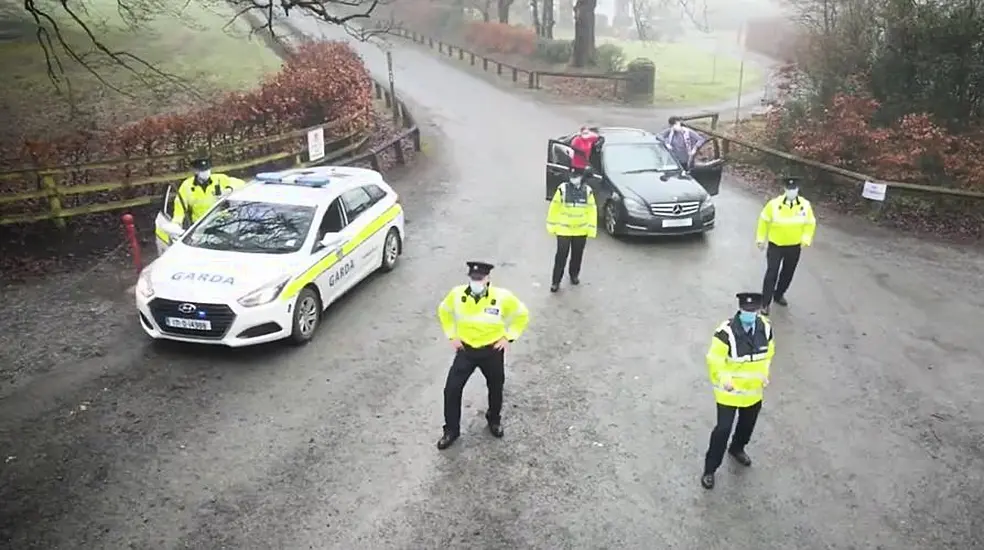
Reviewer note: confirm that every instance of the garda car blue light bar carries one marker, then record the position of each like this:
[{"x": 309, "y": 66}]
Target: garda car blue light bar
[
  {"x": 268, "y": 177},
  {"x": 313, "y": 181}
]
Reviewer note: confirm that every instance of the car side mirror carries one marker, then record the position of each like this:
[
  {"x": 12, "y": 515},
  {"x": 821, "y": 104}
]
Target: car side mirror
[
  {"x": 330, "y": 241},
  {"x": 173, "y": 230}
]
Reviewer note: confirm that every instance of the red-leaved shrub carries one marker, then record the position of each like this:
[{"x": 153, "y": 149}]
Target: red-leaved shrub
[
  {"x": 500, "y": 38},
  {"x": 913, "y": 149},
  {"x": 321, "y": 82}
]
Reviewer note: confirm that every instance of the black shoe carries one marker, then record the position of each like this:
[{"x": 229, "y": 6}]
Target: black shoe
[
  {"x": 495, "y": 428},
  {"x": 446, "y": 440},
  {"x": 555, "y": 287},
  {"x": 765, "y": 311},
  {"x": 575, "y": 280},
  {"x": 741, "y": 457},
  {"x": 707, "y": 481},
  {"x": 781, "y": 300}
]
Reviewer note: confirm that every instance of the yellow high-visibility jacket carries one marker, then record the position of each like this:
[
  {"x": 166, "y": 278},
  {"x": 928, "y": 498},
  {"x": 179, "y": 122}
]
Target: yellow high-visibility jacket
[
  {"x": 787, "y": 223},
  {"x": 742, "y": 360},
  {"x": 199, "y": 198},
  {"x": 495, "y": 315},
  {"x": 573, "y": 212}
]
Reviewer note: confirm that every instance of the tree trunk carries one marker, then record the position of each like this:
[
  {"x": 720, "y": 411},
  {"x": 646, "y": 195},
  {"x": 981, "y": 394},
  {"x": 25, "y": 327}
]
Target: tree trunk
[
  {"x": 487, "y": 11},
  {"x": 535, "y": 13},
  {"x": 547, "y": 19},
  {"x": 503, "y": 10},
  {"x": 584, "y": 33}
]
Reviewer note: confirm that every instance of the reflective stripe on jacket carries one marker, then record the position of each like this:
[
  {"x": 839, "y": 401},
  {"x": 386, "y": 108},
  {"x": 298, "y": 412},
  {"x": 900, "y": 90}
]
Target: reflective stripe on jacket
[
  {"x": 199, "y": 198},
  {"x": 573, "y": 212},
  {"x": 496, "y": 315},
  {"x": 787, "y": 223},
  {"x": 741, "y": 359}
]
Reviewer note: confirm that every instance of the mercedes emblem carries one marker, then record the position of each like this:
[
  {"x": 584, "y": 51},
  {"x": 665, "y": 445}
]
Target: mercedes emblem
[
  {"x": 676, "y": 210},
  {"x": 187, "y": 308}
]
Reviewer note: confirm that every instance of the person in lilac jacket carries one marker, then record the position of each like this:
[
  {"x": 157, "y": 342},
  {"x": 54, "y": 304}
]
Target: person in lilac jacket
[{"x": 682, "y": 141}]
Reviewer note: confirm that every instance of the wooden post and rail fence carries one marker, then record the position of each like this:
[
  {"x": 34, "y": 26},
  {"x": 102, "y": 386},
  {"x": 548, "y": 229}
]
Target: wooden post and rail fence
[
  {"x": 532, "y": 78},
  {"x": 46, "y": 192}
]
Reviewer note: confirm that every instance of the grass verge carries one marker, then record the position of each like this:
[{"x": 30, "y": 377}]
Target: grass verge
[
  {"x": 186, "y": 40},
  {"x": 686, "y": 75}
]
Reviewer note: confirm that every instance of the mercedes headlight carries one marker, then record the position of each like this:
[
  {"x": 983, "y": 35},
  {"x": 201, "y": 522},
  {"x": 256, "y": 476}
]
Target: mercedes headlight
[
  {"x": 265, "y": 294},
  {"x": 635, "y": 208},
  {"x": 707, "y": 203},
  {"x": 145, "y": 287}
]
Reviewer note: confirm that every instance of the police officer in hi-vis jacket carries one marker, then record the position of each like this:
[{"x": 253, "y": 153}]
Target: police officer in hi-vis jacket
[{"x": 738, "y": 365}]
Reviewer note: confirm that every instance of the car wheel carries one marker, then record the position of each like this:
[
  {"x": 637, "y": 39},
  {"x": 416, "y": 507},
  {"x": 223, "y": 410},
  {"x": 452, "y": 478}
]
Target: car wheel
[
  {"x": 391, "y": 250},
  {"x": 307, "y": 316},
  {"x": 611, "y": 218}
]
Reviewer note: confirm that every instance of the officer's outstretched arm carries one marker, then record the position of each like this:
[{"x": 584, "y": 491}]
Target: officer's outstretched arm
[
  {"x": 592, "y": 216},
  {"x": 717, "y": 357},
  {"x": 765, "y": 219},
  {"x": 554, "y": 212},
  {"x": 811, "y": 225},
  {"x": 516, "y": 317},
  {"x": 445, "y": 314}
]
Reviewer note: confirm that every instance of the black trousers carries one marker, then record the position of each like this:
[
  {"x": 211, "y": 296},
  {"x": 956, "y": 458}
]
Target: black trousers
[
  {"x": 782, "y": 262},
  {"x": 568, "y": 245},
  {"x": 492, "y": 364},
  {"x": 719, "y": 436}
]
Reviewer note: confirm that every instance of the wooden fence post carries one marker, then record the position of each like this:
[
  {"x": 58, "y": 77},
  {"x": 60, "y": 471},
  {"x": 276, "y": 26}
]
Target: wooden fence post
[
  {"x": 532, "y": 80},
  {"x": 54, "y": 201}
]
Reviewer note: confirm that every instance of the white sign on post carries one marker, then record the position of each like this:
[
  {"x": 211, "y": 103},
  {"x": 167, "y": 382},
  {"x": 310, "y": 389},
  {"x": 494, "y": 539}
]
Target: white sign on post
[
  {"x": 316, "y": 144},
  {"x": 874, "y": 191}
]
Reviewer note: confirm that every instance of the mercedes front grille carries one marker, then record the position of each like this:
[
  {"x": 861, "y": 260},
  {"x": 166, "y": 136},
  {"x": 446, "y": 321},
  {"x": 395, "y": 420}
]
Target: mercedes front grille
[{"x": 671, "y": 209}]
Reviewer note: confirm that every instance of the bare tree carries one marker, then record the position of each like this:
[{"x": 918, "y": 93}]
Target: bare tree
[
  {"x": 547, "y": 19},
  {"x": 642, "y": 14},
  {"x": 56, "y": 19},
  {"x": 584, "y": 24},
  {"x": 503, "y": 10}
]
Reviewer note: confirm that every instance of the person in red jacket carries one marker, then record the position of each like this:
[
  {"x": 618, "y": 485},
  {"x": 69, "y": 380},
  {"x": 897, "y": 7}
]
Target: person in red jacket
[{"x": 583, "y": 144}]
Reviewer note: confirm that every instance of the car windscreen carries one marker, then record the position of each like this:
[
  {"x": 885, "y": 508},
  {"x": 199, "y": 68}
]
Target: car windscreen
[
  {"x": 629, "y": 158},
  {"x": 253, "y": 227}
]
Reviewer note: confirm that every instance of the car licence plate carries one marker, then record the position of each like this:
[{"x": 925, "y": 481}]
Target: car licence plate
[
  {"x": 193, "y": 324},
  {"x": 685, "y": 222}
]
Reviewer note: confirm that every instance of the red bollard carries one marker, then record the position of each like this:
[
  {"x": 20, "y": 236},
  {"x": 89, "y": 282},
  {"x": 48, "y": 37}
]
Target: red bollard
[{"x": 131, "y": 235}]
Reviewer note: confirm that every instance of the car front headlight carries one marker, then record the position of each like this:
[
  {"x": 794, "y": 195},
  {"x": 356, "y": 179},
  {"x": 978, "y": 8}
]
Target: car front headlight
[
  {"x": 635, "y": 208},
  {"x": 265, "y": 294},
  {"x": 707, "y": 203},
  {"x": 145, "y": 286}
]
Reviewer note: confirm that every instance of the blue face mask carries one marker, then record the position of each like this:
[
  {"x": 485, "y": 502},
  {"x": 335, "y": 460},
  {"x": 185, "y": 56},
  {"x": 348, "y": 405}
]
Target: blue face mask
[{"x": 747, "y": 318}]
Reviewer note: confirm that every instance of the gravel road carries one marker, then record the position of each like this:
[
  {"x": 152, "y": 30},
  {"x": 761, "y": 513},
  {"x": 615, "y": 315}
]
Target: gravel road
[{"x": 871, "y": 435}]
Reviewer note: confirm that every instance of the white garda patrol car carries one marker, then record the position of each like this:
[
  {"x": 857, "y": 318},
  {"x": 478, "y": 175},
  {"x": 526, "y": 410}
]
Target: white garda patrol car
[{"x": 267, "y": 260}]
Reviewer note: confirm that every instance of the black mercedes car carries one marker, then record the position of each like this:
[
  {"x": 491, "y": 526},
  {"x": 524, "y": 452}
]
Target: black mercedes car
[{"x": 640, "y": 187}]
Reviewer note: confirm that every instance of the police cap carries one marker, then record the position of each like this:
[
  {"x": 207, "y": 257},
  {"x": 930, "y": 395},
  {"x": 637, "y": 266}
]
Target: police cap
[
  {"x": 201, "y": 162},
  {"x": 749, "y": 301},
  {"x": 791, "y": 182},
  {"x": 478, "y": 270}
]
